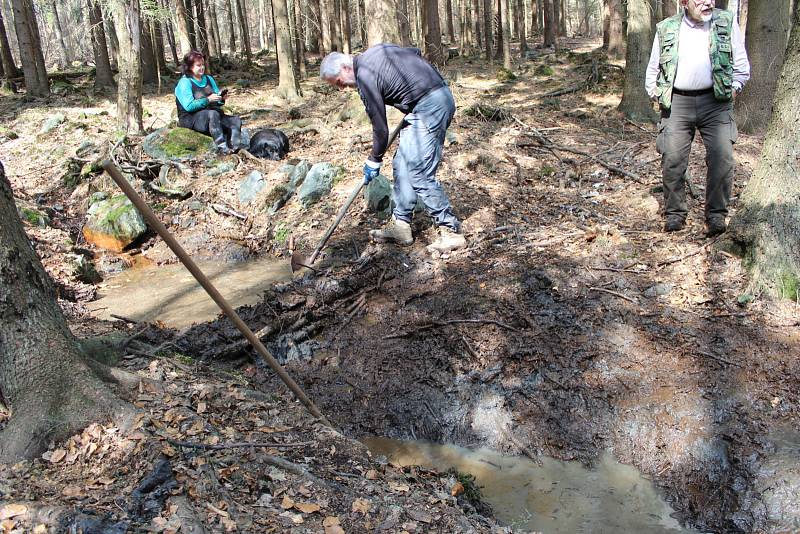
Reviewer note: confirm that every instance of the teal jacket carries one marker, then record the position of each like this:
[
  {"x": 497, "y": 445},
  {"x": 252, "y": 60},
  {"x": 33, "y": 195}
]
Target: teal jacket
[{"x": 186, "y": 94}]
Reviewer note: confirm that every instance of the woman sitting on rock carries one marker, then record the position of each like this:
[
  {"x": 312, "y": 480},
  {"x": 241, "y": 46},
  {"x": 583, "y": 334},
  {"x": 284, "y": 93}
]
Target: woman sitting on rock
[{"x": 200, "y": 104}]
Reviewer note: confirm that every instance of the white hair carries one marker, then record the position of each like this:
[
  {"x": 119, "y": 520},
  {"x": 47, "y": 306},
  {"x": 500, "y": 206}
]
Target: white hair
[{"x": 332, "y": 65}]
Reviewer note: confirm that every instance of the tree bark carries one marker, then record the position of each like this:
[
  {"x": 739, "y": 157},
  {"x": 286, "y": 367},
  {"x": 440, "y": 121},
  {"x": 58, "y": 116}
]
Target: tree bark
[
  {"x": 613, "y": 37},
  {"x": 636, "y": 103},
  {"x": 231, "y": 27},
  {"x": 182, "y": 22},
  {"x": 381, "y": 18},
  {"x": 201, "y": 32},
  {"x": 404, "y": 22},
  {"x": 244, "y": 31},
  {"x": 336, "y": 25},
  {"x": 766, "y": 229},
  {"x": 103, "y": 75},
  {"x": 214, "y": 25},
  {"x": 488, "y": 32},
  {"x": 147, "y": 57},
  {"x": 433, "y": 32},
  {"x": 562, "y": 18},
  {"x": 505, "y": 18},
  {"x": 129, "y": 91},
  {"x": 288, "y": 88},
  {"x": 113, "y": 40},
  {"x": 362, "y": 8},
  {"x": 325, "y": 14},
  {"x": 30, "y": 52},
  {"x": 188, "y": 6},
  {"x": 467, "y": 37},
  {"x": 476, "y": 16},
  {"x": 347, "y": 42},
  {"x": 9, "y": 66},
  {"x": 557, "y": 17},
  {"x": 767, "y": 36},
  {"x": 670, "y": 8},
  {"x": 550, "y": 29},
  {"x": 451, "y": 35},
  {"x": 43, "y": 378},
  {"x": 522, "y": 29},
  {"x": 60, "y": 35},
  {"x": 299, "y": 40}
]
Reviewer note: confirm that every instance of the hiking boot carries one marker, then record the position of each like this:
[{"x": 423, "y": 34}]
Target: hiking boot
[
  {"x": 223, "y": 149},
  {"x": 715, "y": 227},
  {"x": 674, "y": 224},
  {"x": 447, "y": 241},
  {"x": 236, "y": 140},
  {"x": 395, "y": 231}
]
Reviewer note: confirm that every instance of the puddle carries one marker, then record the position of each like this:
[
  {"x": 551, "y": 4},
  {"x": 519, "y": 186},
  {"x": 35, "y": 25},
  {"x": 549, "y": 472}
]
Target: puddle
[
  {"x": 555, "y": 497},
  {"x": 170, "y": 294}
]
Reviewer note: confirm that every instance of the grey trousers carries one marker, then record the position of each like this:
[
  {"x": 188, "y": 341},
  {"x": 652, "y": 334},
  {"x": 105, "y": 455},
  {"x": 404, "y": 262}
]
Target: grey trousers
[
  {"x": 418, "y": 156},
  {"x": 718, "y": 130}
]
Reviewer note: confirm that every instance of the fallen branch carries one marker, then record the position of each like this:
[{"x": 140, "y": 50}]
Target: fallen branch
[
  {"x": 291, "y": 467},
  {"x": 238, "y": 445},
  {"x": 620, "y": 295},
  {"x": 719, "y": 359}
]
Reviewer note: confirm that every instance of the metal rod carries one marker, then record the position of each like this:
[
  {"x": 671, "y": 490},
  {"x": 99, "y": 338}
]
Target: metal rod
[{"x": 226, "y": 308}]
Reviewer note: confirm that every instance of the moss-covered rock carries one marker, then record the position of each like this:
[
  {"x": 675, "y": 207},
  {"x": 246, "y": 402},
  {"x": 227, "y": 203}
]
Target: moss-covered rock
[
  {"x": 318, "y": 183},
  {"x": 114, "y": 223},
  {"x": 505, "y": 75},
  {"x": 543, "y": 70},
  {"x": 33, "y": 216},
  {"x": 178, "y": 144}
]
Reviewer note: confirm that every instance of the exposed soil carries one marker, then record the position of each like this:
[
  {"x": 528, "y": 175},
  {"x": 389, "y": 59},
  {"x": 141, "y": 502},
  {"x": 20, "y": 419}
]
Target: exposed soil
[{"x": 570, "y": 326}]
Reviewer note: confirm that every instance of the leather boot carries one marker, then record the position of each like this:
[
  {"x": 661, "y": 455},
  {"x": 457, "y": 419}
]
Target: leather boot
[
  {"x": 447, "y": 241},
  {"x": 395, "y": 231}
]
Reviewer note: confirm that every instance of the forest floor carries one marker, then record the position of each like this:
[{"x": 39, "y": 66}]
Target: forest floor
[{"x": 571, "y": 325}]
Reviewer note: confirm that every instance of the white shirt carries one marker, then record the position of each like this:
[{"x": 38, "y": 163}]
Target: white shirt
[{"x": 694, "y": 60}]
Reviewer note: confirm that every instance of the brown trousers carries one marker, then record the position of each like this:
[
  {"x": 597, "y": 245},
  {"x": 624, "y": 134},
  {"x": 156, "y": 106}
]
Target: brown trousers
[{"x": 718, "y": 130}]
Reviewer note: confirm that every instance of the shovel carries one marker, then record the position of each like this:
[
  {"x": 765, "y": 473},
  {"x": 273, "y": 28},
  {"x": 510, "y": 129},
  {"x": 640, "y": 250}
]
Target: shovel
[{"x": 298, "y": 260}]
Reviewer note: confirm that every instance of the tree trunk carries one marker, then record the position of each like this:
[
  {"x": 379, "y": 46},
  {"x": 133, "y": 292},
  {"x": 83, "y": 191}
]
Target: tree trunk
[
  {"x": 325, "y": 14},
  {"x": 670, "y": 8},
  {"x": 171, "y": 40},
  {"x": 30, "y": 53},
  {"x": 381, "y": 18},
  {"x": 505, "y": 17},
  {"x": 522, "y": 29},
  {"x": 556, "y": 17},
  {"x": 488, "y": 32},
  {"x": 347, "y": 43},
  {"x": 182, "y": 22},
  {"x": 7, "y": 58},
  {"x": 113, "y": 40},
  {"x": 404, "y": 22},
  {"x": 467, "y": 38},
  {"x": 476, "y": 16},
  {"x": 60, "y": 36},
  {"x": 636, "y": 103},
  {"x": 451, "y": 35},
  {"x": 744, "y": 10},
  {"x": 613, "y": 37},
  {"x": 103, "y": 76},
  {"x": 244, "y": 31},
  {"x": 362, "y": 7},
  {"x": 214, "y": 25},
  {"x": 766, "y": 229},
  {"x": 129, "y": 92},
  {"x": 189, "y": 8},
  {"x": 288, "y": 88},
  {"x": 433, "y": 32},
  {"x": 299, "y": 40},
  {"x": 336, "y": 25},
  {"x": 315, "y": 27},
  {"x": 201, "y": 32},
  {"x": 45, "y": 381},
  {"x": 262, "y": 25},
  {"x": 549, "y": 23},
  {"x": 231, "y": 28},
  {"x": 148, "y": 59},
  {"x": 767, "y": 35},
  {"x": 158, "y": 47},
  {"x": 562, "y": 19}
]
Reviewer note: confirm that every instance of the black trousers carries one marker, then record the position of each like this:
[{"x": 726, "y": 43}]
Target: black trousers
[
  {"x": 216, "y": 124},
  {"x": 715, "y": 121}
]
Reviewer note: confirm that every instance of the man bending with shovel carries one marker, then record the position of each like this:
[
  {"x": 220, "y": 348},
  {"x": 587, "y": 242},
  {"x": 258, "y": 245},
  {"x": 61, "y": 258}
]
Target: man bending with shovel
[{"x": 391, "y": 75}]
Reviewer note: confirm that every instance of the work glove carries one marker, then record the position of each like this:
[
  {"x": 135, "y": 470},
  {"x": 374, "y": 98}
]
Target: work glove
[{"x": 371, "y": 170}]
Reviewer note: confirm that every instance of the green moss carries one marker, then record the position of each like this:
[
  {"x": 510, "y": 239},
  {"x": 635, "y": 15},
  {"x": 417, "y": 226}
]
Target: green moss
[
  {"x": 341, "y": 175},
  {"x": 543, "y": 70},
  {"x": 487, "y": 112},
  {"x": 281, "y": 234},
  {"x": 276, "y": 193},
  {"x": 505, "y": 75},
  {"x": 788, "y": 284},
  {"x": 547, "y": 170},
  {"x": 472, "y": 492},
  {"x": 182, "y": 142},
  {"x": 34, "y": 217}
]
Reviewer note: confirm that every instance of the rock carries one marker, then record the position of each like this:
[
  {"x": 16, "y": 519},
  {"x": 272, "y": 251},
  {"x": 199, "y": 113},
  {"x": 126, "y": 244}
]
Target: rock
[
  {"x": 114, "y": 223},
  {"x": 33, "y": 216},
  {"x": 505, "y": 75},
  {"x": 250, "y": 187},
  {"x": 299, "y": 173},
  {"x": 378, "y": 195},
  {"x": 221, "y": 168},
  {"x": 178, "y": 144},
  {"x": 543, "y": 70},
  {"x": 451, "y": 138},
  {"x": 318, "y": 183},
  {"x": 83, "y": 269},
  {"x": 658, "y": 290},
  {"x": 52, "y": 123},
  {"x": 289, "y": 178}
]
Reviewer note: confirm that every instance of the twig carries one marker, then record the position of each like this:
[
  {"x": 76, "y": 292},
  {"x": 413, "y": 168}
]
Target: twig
[
  {"x": 620, "y": 295},
  {"x": 292, "y": 467},
  {"x": 719, "y": 359},
  {"x": 452, "y": 322},
  {"x": 687, "y": 255},
  {"x": 238, "y": 445}
]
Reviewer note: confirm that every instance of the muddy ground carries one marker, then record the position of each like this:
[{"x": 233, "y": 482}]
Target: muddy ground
[{"x": 570, "y": 325}]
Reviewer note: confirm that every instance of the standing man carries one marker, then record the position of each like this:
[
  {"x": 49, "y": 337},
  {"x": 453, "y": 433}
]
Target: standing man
[
  {"x": 384, "y": 75},
  {"x": 697, "y": 67}
]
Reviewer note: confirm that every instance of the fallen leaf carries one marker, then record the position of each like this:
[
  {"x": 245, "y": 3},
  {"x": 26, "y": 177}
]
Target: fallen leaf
[
  {"x": 12, "y": 510},
  {"x": 361, "y": 505},
  {"x": 335, "y": 529},
  {"x": 7, "y": 525},
  {"x": 230, "y": 524},
  {"x": 331, "y": 521},
  {"x": 307, "y": 508},
  {"x": 72, "y": 491},
  {"x": 396, "y": 486},
  {"x": 420, "y": 515},
  {"x": 287, "y": 502},
  {"x": 201, "y": 407},
  {"x": 106, "y": 481},
  {"x": 458, "y": 489},
  {"x": 168, "y": 451},
  {"x": 57, "y": 456},
  {"x": 371, "y": 475},
  {"x": 221, "y": 513}
]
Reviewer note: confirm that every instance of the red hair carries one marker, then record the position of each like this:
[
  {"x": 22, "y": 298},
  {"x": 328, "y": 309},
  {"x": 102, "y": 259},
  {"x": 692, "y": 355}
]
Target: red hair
[{"x": 189, "y": 61}]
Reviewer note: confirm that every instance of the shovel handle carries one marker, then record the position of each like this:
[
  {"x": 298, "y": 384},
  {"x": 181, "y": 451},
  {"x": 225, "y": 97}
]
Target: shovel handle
[{"x": 348, "y": 203}]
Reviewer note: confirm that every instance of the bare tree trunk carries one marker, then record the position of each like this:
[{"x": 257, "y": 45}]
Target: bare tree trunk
[
  {"x": 7, "y": 58},
  {"x": 182, "y": 21},
  {"x": 767, "y": 37},
  {"x": 562, "y": 20},
  {"x": 113, "y": 40},
  {"x": 171, "y": 40},
  {"x": 214, "y": 25},
  {"x": 476, "y": 16},
  {"x": 103, "y": 76},
  {"x": 467, "y": 38},
  {"x": 487, "y": 28},
  {"x": 636, "y": 103},
  {"x": 149, "y": 74},
  {"x": 288, "y": 88},
  {"x": 43, "y": 377},
  {"x": 451, "y": 36},
  {"x": 188, "y": 6},
  {"x": 522, "y": 30},
  {"x": 60, "y": 35},
  {"x": 557, "y": 16},
  {"x": 404, "y": 22},
  {"x": 346, "y": 29},
  {"x": 433, "y": 33},
  {"x": 613, "y": 37},
  {"x": 231, "y": 27},
  {"x": 549, "y": 23},
  {"x": 299, "y": 40},
  {"x": 203, "y": 16},
  {"x": 381, "y": 18},
  {"x": 766, "y": 229},
  {"x": 245, "y": 31},
  {"x": 262, "y": 25},
  {"x": 325, "y": 14},
  {"x": 201, "y": 32},
  {"x": 505, "y": 17},
  {"x": 315, "y": 27},
  {"x": 362, "y": 7},
  {"x": 129, "y": 91},
  {"x": 670, "y": 8},
  {"x": 30, "y": 53},
  {"x": 336, "y": 25}
]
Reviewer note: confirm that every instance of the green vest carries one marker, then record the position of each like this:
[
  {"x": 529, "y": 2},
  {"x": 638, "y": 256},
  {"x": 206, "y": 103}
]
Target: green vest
[{"x": 720, "y": 50}]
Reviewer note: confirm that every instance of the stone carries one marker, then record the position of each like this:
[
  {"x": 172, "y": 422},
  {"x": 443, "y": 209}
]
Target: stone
[
  {"x": 289, "y": 178},
  {"x": 221, "y": 168},
  {"x": 178, "y": 144},
  {"x": 451, "y": 138},
  {"x": 318, "y": 183},
  {"x": 113, "y": 223},
  {"x": 33, "y": 216},
  {"x": 378, "y": 195},
  {"x": 52, "y": 123},
  {"x": 84, "y": 270},
  {"x": 658, "y": 290},
  {"x": 250, "y": 187},
  {"x": 298, "y": 173}
]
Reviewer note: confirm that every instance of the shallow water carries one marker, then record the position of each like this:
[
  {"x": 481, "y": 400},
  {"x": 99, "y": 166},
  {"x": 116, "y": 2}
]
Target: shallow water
[
  {"x": 555, "y": 497},
  {"x": 170, "y": 294}
]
